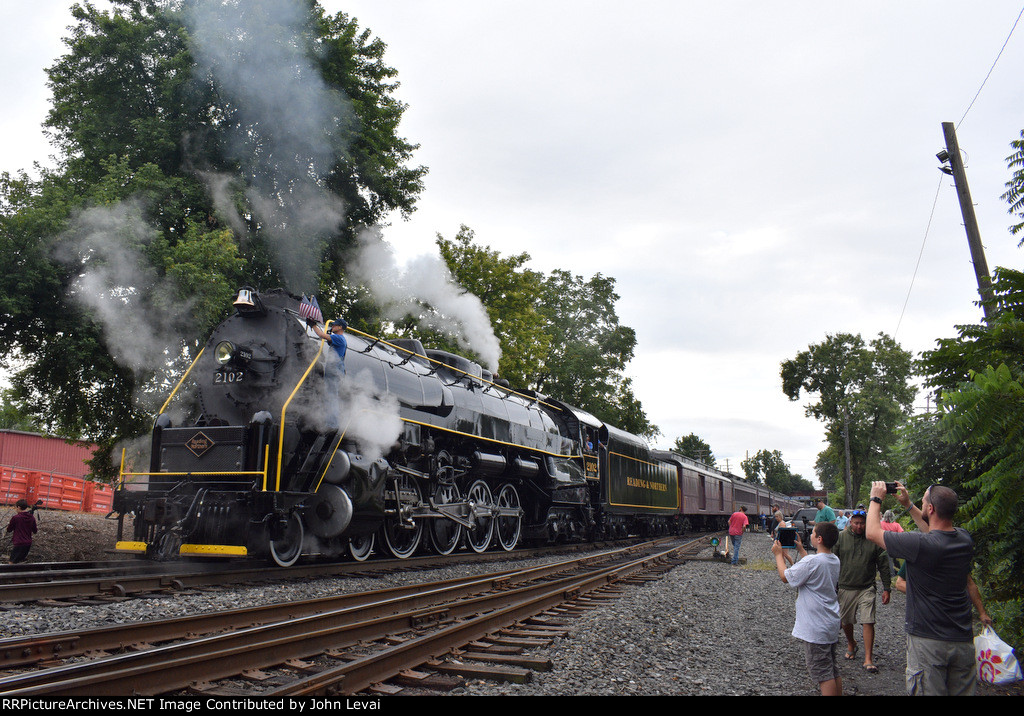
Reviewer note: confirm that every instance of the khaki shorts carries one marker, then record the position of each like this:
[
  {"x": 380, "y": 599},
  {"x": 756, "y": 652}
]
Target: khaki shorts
[
  {"x": 940, "y": 668},
  {"x": 857, "y": 606}
]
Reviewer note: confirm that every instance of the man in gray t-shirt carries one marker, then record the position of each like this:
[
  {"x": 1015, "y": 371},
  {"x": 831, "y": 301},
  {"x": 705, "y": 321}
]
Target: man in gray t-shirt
[
  {"x": 940, "y": 591},
  {"x": 938, "y": 565}
]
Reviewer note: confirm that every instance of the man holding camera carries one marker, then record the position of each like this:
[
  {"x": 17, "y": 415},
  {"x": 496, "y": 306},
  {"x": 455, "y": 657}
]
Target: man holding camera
[
  {"x": 859, "y": 560},
  {"x": 940, "y": 591},
  {"x": 817, "y": 610}
]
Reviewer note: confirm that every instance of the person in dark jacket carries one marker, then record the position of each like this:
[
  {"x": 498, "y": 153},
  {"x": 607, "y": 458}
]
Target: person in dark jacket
[
  {"x": 23, "y": 525},
  {"x": 859, "y": 560}
]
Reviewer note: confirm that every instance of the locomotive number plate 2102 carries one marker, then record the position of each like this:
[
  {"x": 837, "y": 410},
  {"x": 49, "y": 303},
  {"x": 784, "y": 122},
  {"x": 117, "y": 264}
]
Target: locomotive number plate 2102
[{"x": 228, "y": 376}]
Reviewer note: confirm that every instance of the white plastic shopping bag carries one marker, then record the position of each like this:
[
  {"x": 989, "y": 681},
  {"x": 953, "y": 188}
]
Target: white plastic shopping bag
[{"x": 996, "y": 661}]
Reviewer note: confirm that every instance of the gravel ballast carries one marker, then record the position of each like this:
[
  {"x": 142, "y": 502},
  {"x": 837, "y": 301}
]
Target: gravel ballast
[{"x": 707, "y": 628}]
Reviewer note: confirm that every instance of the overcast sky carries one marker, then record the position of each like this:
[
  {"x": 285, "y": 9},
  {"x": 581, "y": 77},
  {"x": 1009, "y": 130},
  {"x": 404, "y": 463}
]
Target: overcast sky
[{"x": 755, "y": 175}]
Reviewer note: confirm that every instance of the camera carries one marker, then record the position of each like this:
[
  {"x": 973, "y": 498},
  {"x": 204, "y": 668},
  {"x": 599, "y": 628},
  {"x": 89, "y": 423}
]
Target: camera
[
  {"x": 786, "y": 536},
  {"x": 890, "y": 488}
]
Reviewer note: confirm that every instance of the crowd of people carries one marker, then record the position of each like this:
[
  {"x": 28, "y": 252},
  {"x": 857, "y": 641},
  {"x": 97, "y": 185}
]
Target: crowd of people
[{"x": 837, "y": 587}]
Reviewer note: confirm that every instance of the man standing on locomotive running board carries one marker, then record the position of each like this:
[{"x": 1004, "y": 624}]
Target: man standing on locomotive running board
[{"x": 334, "y": 368}]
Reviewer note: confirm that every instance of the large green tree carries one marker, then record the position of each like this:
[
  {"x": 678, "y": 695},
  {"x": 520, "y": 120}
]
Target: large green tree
[
  {"x": 768, "y": 468},
  {"x": 509, "y": 291},
  {"x": 590, "y": 350},
  {"x": 560, "y": 334},
  {"x": 694, "y": 447},
  {"x": 863, "y": 395},
  {"x": 194, "y": 140}
]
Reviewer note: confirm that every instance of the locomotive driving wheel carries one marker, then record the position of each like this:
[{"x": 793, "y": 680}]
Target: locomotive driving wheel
[
  {"x": 445, "y": 534},
  {"x": 361, "y": 547},
  {"x": 402, "y": 534},
  {"x": 481, "y": 499},
  {"x": 509, "y": 524},
  {"x": 286, "y": 550}
]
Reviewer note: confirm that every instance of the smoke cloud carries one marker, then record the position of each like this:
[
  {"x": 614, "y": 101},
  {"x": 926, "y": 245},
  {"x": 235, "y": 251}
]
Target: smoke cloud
[
  {"x": 287, "y": 135},
  {"x": 425, "y": 290},
  {"x": 289, "y": 126},
  {"x": 142, "y": 315},
  {"x": 364, "y": 414},
  {"x": 290, "y": 123}
]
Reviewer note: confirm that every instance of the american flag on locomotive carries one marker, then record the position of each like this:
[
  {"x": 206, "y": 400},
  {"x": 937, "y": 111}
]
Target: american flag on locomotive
[{"x": 309, "y": 308}]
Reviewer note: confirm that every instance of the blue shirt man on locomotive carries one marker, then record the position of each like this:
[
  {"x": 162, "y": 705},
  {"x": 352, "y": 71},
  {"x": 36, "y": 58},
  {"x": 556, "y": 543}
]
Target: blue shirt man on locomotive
[
  {"x": 335, "y": 337},
  {"x": 335, "y": 368}
]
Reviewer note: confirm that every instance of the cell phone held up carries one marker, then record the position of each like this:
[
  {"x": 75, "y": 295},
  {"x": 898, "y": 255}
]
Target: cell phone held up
[{"x": 890, "y": 488}]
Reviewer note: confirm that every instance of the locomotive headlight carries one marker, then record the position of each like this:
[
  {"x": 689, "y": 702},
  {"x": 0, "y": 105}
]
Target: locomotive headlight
[{"x": 224, "y": 352}]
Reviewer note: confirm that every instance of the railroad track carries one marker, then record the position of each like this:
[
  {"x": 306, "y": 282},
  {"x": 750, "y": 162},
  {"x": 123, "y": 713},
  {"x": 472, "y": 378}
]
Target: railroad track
[
  {"x": 91, "y": 580},
  {"x": 341, "y": 645}
]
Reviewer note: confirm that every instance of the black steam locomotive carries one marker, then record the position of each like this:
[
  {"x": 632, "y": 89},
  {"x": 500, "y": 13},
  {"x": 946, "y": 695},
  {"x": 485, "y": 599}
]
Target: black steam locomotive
[{"x": 412, "y": 450}]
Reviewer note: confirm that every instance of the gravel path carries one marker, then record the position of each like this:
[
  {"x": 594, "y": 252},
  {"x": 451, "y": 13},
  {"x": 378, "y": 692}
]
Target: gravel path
[
  {"x": 710, "y": 629},
  {"x": 707, "y": 628}
]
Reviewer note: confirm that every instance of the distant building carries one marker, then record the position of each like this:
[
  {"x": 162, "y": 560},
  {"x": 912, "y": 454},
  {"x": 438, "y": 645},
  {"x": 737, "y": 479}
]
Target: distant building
[
  {"x": 811, "y": 498},
  {"x": 43, "y": 453}
]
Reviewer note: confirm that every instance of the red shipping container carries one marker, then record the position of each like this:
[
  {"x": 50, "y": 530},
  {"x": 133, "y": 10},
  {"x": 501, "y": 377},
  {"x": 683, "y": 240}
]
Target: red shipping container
[
  {"x": 58, "y": 492},
  {"x": 99, "y": 498},
  {"x": 13, "y": 485}
]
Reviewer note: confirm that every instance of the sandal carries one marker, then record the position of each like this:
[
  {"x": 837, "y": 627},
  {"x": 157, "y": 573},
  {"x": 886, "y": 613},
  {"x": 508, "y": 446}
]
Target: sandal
[
  {"x": 851, "y": 655},
  {"x": 871, "y": 668}
]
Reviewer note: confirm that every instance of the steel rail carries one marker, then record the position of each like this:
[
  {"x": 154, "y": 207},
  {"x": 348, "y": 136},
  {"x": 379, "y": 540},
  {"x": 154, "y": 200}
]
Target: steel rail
[
  {"x": 164, "y": 669},
  {"x": 180, "y": 575},
  {"x": 30, "y": 649},
  {"x": 362, "y": 673},
  {"x": 48, "y": 571}
]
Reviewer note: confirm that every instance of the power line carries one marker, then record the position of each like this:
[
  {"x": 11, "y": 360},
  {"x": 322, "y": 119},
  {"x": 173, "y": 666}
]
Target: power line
[
  {"x": 1005, "y": 43},
  {"x": 935, "y": 202},
  {"x": 939, "y": 187}
]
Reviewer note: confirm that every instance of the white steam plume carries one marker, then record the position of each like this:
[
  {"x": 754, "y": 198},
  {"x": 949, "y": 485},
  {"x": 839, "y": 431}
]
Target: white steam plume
[
  {"x": 366, "y": 415},
  {"x": 142, "y": 316},
  {"x": 289, "y": 121},
  {"x": 424, "y": 283}
]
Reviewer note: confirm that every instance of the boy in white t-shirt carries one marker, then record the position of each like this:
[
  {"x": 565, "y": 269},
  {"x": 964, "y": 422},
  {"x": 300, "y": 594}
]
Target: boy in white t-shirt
[{"x": 816, "y": 578}]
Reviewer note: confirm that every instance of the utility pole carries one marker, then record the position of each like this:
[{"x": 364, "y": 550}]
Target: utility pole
[{"x": 963, "y": 192}]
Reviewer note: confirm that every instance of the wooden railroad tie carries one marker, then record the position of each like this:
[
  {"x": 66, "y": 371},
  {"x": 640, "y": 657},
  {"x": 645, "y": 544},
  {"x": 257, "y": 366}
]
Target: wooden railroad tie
[{"x": 480, "y": 671}]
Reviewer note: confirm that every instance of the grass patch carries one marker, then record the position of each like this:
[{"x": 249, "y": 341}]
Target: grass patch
[{"x": 760, "y": 565}]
